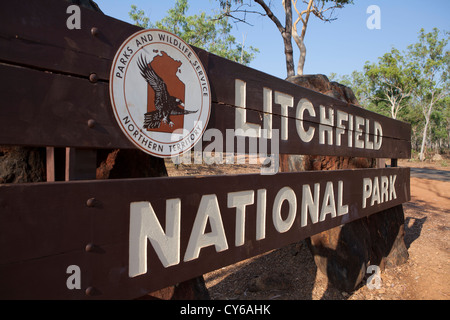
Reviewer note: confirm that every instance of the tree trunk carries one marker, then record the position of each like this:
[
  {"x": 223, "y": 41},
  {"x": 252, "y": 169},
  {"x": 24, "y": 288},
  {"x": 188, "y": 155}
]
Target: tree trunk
[
  {"x": 286, "y": 32},
  {"x": 424, "y": 137},
  {"x": 301, "y": 60},
  {"x": 300, "y": 40},
  {"x": 287, "y": 39},
  {"x": 425, "y": 131}
]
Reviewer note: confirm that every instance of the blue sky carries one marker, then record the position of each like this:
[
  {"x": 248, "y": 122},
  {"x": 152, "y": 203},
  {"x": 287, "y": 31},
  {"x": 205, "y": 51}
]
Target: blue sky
[{"x": 340, "y": 46}]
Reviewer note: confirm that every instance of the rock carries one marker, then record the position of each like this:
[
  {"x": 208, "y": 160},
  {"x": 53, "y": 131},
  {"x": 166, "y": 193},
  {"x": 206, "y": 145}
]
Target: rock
[
  {"x": 342, "y": 253},
  {"x": 437, "y": 157},
  {"x": 296, "y": 247},
  {"x": 194, "y": 289},
  {"x": 320, "y": 83},
  {"x": 132, "y": 163},
  {"x": 22, "y": 164},
  {"x": 387, "y": 232}
]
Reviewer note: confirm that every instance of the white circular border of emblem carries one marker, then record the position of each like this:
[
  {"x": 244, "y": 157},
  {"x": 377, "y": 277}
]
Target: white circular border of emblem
[{"x": 127, "y": 89}]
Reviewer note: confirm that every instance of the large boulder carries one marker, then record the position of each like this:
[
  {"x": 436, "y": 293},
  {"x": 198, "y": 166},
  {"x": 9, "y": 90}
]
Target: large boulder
[
  {"x": 343, "y": 253},
  {"x": 320, "y": 83},
  {"x": 22, "y": 164}
]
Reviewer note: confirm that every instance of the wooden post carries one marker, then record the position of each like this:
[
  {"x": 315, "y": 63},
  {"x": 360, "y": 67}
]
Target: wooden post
[{"x": 50, "y": 164}]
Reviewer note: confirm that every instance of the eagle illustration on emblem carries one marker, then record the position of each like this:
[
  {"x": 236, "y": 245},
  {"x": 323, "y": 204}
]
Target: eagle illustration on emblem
[{"x": 165, "y": 104}]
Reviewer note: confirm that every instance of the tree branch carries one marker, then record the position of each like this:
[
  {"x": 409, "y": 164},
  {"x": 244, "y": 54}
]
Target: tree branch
[{"x": 271, "y": 15}]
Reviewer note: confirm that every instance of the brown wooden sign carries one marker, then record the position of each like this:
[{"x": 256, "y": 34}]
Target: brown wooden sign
[
  {"x": 67, "y": 88},
  {"x": 134, "y": 236}
]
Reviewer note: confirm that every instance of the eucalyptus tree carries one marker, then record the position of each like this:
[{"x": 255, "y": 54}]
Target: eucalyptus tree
[
  {"x": 392, "y": 80},
  {"x": 321, "y": 9},
  {"x": 431, "y": 60}
]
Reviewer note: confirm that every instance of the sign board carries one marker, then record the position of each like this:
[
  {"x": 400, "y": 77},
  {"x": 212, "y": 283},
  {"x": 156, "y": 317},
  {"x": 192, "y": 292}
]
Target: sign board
[
  {"x": 161, "y": 231},
  {"x": 98, "y": 88}
]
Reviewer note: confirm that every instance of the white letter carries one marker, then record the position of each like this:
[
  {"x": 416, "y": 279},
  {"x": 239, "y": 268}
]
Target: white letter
[
  {"x": 328, "y": 204},
  {"x": 240, "y": 200},
  {"x": 326, "y": 125},
  {"x": 286, "y": 101},
  {"x": 369, "y": 144},
  {"x": 384, "y": 196},
  {"x": 341, "y": 209},
  {"x": 74, "y": 21},
  {"x": 267, "y": 106},
  {"x": 375, "y": 192},
  {"x": 392, "y": 193},
  {"x": 307, "y": 202},
  {"x": 340, "y": 129},
  {"x": 367, "y": 190},
  {"x": 350, "y": 130},
  {"x": 304, "y": 104},
  {"x": 377, "y": 136},
  {"x": 288, "y": 194},
  {"x": 144, "y": 224},
  {"x": 207, "y": 210},
  {"x": 241, "y": 125},
  {"x": 358, "y": 132},
  {"x": 261, "y": 205}
]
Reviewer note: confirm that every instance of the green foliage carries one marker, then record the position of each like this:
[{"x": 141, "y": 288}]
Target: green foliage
[
  {"x": 440, "y": 121},
  {"x": 211, "y": 33},
  {"x": 392, "y": 80},
  {"x": 416, "y": 82},
  {"x": 431, "y": 61}
]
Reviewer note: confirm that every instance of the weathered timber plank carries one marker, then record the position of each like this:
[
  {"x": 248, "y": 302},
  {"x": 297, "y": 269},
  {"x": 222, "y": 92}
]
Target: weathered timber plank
[
  {"x": 35, "y": 34},
  {"x": 45, "y": 109},
  {"x": 36, "y": 249},
  {"x": 89, "y": 54}
]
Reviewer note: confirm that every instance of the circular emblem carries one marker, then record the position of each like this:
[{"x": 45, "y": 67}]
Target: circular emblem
[{"x": 159, "y": 93}]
